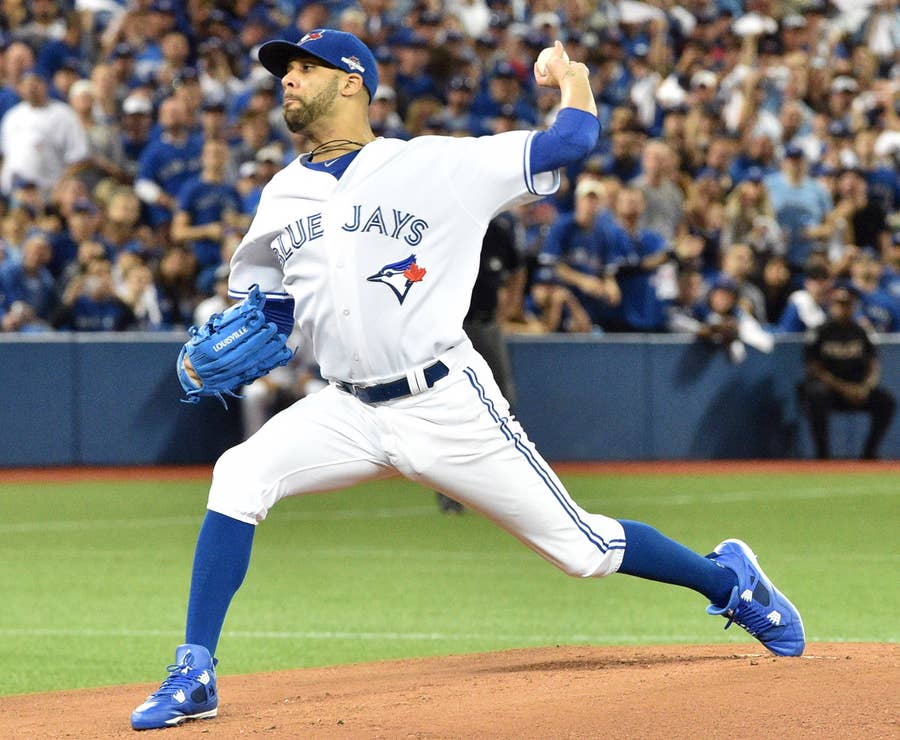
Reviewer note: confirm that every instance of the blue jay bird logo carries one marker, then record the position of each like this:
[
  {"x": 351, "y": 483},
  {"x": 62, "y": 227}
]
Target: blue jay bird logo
[{"x": 399, "y": 276}]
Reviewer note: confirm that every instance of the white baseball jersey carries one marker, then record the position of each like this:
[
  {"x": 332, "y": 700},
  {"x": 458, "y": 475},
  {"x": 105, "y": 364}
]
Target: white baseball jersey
[{"x": 381, "y": 262}]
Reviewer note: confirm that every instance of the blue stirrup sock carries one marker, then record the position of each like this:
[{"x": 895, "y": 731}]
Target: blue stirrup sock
[
  {"x": 223, "y": 551},
  {"x": 220, "y": 564},
  {"x": 650, "y": 554}
]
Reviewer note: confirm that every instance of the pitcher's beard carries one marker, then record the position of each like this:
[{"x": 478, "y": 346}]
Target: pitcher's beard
[{"x": 299, "y": 118}]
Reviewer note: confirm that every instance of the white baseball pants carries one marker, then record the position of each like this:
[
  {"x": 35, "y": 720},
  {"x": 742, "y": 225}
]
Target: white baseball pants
[{"x": 457, "y": 437}]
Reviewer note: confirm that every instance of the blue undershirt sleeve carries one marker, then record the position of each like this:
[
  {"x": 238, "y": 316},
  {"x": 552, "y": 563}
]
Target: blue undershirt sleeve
[
  {"x": 571, "y": 137},
  {"x": 281, "y": 313}
]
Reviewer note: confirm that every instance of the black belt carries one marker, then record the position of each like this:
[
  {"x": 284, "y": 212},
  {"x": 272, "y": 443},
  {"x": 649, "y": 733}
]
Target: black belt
[{"x": 395, "y": 388}]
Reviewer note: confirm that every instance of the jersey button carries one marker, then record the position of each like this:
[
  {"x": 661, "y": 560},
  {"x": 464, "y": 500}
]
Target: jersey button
[
  {"x": 356, "y": 357},
  {"x": 346, "y": 312}
]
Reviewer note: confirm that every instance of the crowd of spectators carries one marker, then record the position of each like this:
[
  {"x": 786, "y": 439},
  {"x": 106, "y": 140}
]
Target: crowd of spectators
[{"x": 748, "y": 158}]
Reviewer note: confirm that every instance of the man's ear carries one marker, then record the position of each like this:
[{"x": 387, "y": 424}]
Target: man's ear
[{"x": 353, "y": 83}]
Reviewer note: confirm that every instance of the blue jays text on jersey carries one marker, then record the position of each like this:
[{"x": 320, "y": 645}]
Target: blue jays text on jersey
[{"x": 398, "y": 225}]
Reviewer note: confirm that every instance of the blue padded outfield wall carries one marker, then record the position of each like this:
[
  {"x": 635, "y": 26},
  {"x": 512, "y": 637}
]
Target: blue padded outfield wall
[
  {"x": 110, "y": 399},
  {"x": 113, "y": 399},
  {"x": 664, "y": 397}
]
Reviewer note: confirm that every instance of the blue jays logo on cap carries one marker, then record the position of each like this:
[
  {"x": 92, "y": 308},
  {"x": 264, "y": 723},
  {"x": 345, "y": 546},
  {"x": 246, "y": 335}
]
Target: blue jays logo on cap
[
  {"x": 399, "y": 276},
  {"x": 338, "y": 49}
]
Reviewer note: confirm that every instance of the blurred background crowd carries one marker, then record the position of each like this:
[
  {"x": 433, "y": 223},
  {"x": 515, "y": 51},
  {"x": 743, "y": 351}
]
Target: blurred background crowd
[{"x": 748, "y": 161}]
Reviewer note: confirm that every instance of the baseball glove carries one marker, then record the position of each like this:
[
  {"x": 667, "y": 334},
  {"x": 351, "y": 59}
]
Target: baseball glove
[{"x": 232, "y": 348}]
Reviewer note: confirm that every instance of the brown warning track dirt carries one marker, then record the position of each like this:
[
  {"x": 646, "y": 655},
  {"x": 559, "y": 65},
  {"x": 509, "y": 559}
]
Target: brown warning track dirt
[
  {"x": 88, "y": 473},
  {"x": 836, "y": 690},
  {"x": 655, "y": 467}
]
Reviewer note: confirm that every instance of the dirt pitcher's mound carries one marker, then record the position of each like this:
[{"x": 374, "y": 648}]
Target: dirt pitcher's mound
[{"x": 834, "y": 691}]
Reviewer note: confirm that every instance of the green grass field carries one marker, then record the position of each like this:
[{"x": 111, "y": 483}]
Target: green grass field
[{"x": 94, "y": 576}]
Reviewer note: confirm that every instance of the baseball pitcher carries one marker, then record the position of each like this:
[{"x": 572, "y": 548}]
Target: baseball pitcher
[{"x": 371, "y": 247}]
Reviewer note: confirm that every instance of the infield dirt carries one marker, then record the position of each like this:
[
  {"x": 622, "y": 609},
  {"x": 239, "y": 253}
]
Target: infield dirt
[{"x": 836, "y": 690}]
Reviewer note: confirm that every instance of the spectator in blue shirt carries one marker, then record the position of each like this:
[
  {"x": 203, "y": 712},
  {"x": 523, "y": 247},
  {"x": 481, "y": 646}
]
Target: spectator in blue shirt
[
  {"x": 80, "y": 224},
  {"x": 28, "y": 279},
  {"x": 807, "y": 308},
  {"x": 55, "y": 53},
  {"x": 207, "y": 206},
  {"x": 167, "y": 163},
  {"x": 121, "y": 227},
  {"x": 90, "y": 302},
  {"x": 457, "y": 115},
  {"x": 176, "y": 280},
  {"x": 622, "y": 160},
  {"x": 412, "y": 80},
  {"x": 249, "y": 184},
  {"x": 504, "y": 88},
  {"x": 572, "y": 254},
  {"x": 799, "y": 202},
  {"x": 880, "y": 173},
  {"x": 722, "y": 323},
  {"x": 121, "y": 60},
  {"x": 135, "y": 125},
  {"x": 17, "y": 59},
  {"x": 637, "y": 253},
  {"x": 757, "y": 151},
  {"x": 878, "y": 309},
  {"x": 890, "y": 277}
]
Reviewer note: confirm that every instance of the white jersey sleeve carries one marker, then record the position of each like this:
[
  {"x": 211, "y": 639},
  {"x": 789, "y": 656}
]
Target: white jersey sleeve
[
  {"x": 253, "y": 262},
  {"x": 492, "y": 173}
]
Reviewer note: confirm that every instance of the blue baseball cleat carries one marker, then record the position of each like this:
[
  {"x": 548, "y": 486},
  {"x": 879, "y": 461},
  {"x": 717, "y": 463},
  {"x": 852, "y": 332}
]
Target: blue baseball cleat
[
  {"x": 188, "y": 693},
  {"x": 755, "y": 604}
]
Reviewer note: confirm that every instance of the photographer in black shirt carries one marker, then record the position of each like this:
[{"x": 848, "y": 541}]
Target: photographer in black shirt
[{"x": 843, "y": 373}]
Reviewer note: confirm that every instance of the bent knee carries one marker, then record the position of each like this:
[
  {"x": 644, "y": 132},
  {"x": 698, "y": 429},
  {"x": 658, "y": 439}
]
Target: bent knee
[
  {"x": 593, "y": 562},
  {"x": 236, "y": 491},
  {"x": 587, "y": 569}
]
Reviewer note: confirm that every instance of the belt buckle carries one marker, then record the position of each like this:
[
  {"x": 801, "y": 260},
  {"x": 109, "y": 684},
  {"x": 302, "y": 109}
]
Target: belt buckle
[{"x": 361, "y": 391}]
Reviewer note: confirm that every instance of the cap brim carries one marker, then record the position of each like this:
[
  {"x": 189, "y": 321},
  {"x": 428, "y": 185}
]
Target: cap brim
[{"x": 276, "y": 55}]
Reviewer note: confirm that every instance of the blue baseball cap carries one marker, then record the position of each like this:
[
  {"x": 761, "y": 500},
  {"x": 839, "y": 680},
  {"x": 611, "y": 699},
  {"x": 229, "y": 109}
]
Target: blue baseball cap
[
  {"x": 724, "y": 282},
  {"x": 339, "y": 49}
]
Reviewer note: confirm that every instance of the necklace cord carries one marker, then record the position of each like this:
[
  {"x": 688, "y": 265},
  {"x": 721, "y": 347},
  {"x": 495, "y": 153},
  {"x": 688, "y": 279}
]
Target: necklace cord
[{"x": 333, "y": 146}]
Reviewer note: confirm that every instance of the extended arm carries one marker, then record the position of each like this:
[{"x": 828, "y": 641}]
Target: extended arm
[{"x": 574, "y": 133}]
